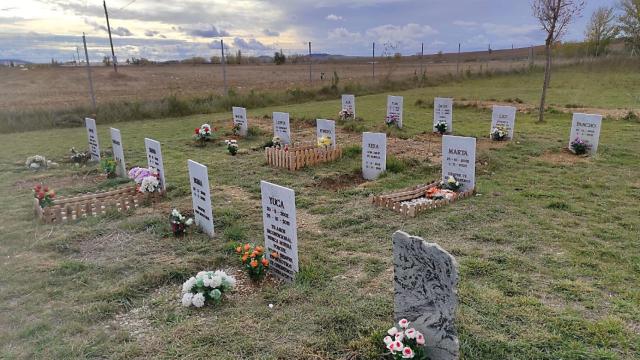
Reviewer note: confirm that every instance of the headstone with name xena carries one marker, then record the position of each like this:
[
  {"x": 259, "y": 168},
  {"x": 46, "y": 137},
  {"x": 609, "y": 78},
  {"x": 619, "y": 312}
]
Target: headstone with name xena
[
  {"x": 280, "y": 229},
  {"x": 240, "y": 118},
  {"x": 154, "y": 160},
  {"x": 118, "y": 152},
  {"x": 374, "y": 155},
  {"x": 504, "y": 116},
  {"x": 201, "y": 197},
  {"x": 395, "y": 108},
  {"x": 326, "y": 128},
  {"x": 587, "y": 128},
  {"x": 92, "y": 135},
  {"x": 459, "y": 160},
  {"x": 281, "y": 127},
  {"x": 349, "y": 104},
  {"x": 443, "y": 111}
]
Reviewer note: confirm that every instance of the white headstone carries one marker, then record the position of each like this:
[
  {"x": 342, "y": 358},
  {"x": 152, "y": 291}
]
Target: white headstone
[
  {"x": 459, "y": 160},
  {"x": 349, "y": 103},
  {"x": 504, "y": 116},
  {"x": 326, "y": 128},
  {"x": 118, "y": 152},
  {"x": 281, "y": 127},
  {"x": 154, "y": 159},
  {"x": 374, "y": 154},
  {"x": 280, "y": 229},
  {"x": 587, "y": 128},
  {"x": 92, "y": 134},
  {"x": 443, "y": 111},
  {"x": 201, "y": 197},
  {"x": 240, "y": 117},
  {"x": 394, "y": 107}
]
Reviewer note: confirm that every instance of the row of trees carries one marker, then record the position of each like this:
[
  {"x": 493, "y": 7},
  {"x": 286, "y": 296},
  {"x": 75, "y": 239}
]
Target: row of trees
[{"x": 607, "y": 23}]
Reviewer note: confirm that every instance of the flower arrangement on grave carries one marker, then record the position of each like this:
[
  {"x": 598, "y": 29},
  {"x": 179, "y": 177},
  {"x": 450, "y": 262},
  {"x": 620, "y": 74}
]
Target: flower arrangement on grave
[
  {"x": 179, "y": 222},
  {"x": 392, "y": 119},
  {"x": 324, "y": 141},
  {"x": 203, "y": 134},
  {"x": 79, "y": 157},
  {"x": 109, "y": 166},
  {"x": 404, "y": 342},
  {"x": 147, "y": 180},
  {"x": 579, "y": 147},
  {"x": 442, "y": 127},
  {"x": 44, "y": 195},
  {"x": 253, "y": 260},
  {"x": 451, "y": 184},
  {"x": 276, "y": 142},
  {"x": 36, "y": 162},
  {"x": 345, "y": 114},
  {"x": 498, "y": 133},
  {"x": 236, "y": 129},
  {"x": 206, "y": 286},
  {"x": 232, "y": 146}
]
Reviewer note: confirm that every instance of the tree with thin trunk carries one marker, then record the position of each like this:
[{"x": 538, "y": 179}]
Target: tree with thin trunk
[
  {"x": 601, "y": 29},
  {"x": 630, "y": 24},
  {"x": 554, "y": 17}
]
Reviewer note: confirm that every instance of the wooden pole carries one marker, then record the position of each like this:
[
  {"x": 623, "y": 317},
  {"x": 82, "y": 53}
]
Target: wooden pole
[
  {"x": 86, "y": 56},
  {"x": 310, "y": 77},
  {"x": 113, "y": 54},
  {"x": 458, "y": 60},
  {"x": 224, "y": 69},
  {"x": 373, "y": 61}
]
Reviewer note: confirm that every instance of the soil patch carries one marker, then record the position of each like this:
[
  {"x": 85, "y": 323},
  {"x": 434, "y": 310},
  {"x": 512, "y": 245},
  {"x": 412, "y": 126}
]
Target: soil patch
[
  {"x": 57, "y": 183},
  {"x": 563, "y": 157},
  {"x": 339, "y": 181}
]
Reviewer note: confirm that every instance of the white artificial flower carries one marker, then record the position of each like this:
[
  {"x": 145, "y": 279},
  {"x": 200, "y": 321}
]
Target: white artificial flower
[
  {"x": 407, "y": 353},
  {"x": 188, "y": 285},
  {"x": 398, "y": 346},
  {"x": 189, "y": 222},
  {"x": 387, "y": 340},
  {"x": 410, "y": 333},
  {"x": 419, "y": 338},
  {"x": 198, "y": 300},
  {"x": 149, "y": 184},
  {"x": 175, "y": 213},
  {"x": 270, "y": 306},
  {"x": 399, "y": 336},
  {"x": 404, "y": 323},
  {"x": 216, "y": 281},
  {"x": 392, "y": 331},
  {"x": 207, "y": 281},
  {"x": 186, "y": 299}
]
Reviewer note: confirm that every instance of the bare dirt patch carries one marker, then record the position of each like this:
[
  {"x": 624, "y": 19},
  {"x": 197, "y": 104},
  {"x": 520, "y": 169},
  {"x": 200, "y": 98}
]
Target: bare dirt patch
[
  {"x": 563, "y": 157},
  {"x": 337, "y": 181},
  {"x": 57, "y": 182},
  {"x": 528, "y": 108}
]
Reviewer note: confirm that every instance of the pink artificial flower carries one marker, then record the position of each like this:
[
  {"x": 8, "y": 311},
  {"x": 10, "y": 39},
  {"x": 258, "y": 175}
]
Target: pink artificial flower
[
  {"x": 404, "y": 323},
  {"x": 392, "y": 331},
  {"x": 419, "y": 338},
  {"x": 407, "y": 353},
  {"x": 400, "y": 336},
  {"x": 398, "y": 346},
  {"x": 411, "y": 333},
  {"x": 387, "y": 340}
]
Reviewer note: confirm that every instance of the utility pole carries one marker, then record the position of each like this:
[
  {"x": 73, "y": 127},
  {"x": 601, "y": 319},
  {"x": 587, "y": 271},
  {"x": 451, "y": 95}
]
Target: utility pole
[
  {"x": 373, "y": 61},
  {"x": 458, "y": 60},
  {"x": 422, "y": 60},
  {"x": 310, "y": 78},
  {"x": 224, "y": 68},
  {"x": 113, "y": 54},
  {"x": 86, "y": 56},
  {"x": 78, "y": 53}
]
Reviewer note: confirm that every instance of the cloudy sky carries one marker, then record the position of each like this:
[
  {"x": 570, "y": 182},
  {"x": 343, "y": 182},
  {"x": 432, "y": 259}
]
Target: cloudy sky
[{"x": 37, "y": 30}]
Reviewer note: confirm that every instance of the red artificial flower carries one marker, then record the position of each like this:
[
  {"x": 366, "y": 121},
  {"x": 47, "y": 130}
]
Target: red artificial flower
[
  {"x": 52, "y": 194},
  {"x": 45, "y": 189},
  {"x": 37, "y": 188},
  {"x": 197, "y": 131},
  {"x": 40, "y": 195}
]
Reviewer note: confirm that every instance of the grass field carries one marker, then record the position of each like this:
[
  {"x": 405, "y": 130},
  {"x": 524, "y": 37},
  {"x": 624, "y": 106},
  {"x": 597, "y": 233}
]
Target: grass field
[{"x": 548, "y": 253}]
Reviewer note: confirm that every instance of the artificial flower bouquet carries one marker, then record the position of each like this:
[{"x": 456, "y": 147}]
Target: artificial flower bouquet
[
  {"x": 109, "y": 166},
  {"x": 392, "y": 119},
  {"x": 44, "y": 195},
  {"x": 232, "y": 146},
  {"x": 345, "y": 114},
  {"x": 404, "y": 342},
  {"x": 579, "y": 146},
  {"x": 203, "y": 134},
  {"x": 324, "y": 141},
  {"x": 206, "y": 286},
  {"x": 451, "y": 184},
  {"x": 276, "y": 142},
  {"x": 498, "y": 133},
  {"x": 179, "y": 222},
  {"x": 79, "y": 157},
  {"x": 36, "y": 162},
  {"x": 253, "y": 260},
  {"x": 441, "y": 127},
  {"x": 236, "y": 129},
  {"x": 147, "y": 180}
]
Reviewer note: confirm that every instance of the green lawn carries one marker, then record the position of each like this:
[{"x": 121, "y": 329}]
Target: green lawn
[{"x": 549, "y": 256}]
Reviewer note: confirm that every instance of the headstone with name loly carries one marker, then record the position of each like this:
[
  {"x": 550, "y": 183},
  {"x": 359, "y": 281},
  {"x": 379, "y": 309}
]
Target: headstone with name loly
[
  {"x": 443, "y": 111},
  {"x": 504, "y": 116},
  {"x": 240, "y": 118},
  {"x": 118, "y": 152},
  {"x": 459, "y": 160},
  {"x": 281, "y": 127},
  {"x": 326, "y": 128},
  {"x": 349, "y": 104},
  {"x": 92, "y": 134},
  {"x": 394, "y": 109},
  {"x": 425, "y": 280},
  {"x": 587, "y": 128},
  {"x": 374, "y": 154},
  {"x": 280, "y": 229},
  {"x": 154, "y": 159},
  {"x": 201, "y": 197}
]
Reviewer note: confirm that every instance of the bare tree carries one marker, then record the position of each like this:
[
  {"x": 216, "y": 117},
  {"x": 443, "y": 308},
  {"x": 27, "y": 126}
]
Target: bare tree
[
  {"x": 630, "y": 24},
  {"x": 601, "y": 29},
  {"x": 554, "y": 17}
]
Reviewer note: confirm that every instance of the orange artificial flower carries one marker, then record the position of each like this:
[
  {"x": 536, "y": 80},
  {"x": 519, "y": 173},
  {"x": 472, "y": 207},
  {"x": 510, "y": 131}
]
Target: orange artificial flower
[
  {"x": 246, "y": 254},
  {"x": 253, "y": 263},
  {"x": 265, "y": 262},
  {"x": 239, "y": 249},
  {"x": 244, "y": 258},
  {"x": 247, "y": 247},
  {"x": 259, "y": 249},
  {"x": 275, "y": 255}
]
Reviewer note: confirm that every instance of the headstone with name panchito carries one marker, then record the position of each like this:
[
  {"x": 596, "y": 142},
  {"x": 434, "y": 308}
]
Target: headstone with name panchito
[
  {"x": 240, "y": 118},
  {"x": 326, "y": 128},
  {"x": 154, "y": 159},
  {"x": 443, "y": 111},
  {"x": 374, "y": 154},
  {"x": 587, "y": 128},
  {"x": 118, "y": 152},
  {"x": 459, "y": 160},
  {"x": 349, "y": 104},
  {"x": 201, "y": 197},
  {"x": 94, "y": 143},
  {"x": 281, "y": 127},
  {"x": 504, "y": 116},
  {"x": 425, "y": 281},
  {"x": 394, "y": 109},
  {"x": 280, "y": 229}
]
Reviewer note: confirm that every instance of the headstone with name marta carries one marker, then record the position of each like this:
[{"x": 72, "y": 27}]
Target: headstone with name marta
[
  {"x": 280, "y": 229},
  {"x": 154, "y": 159},
  {"x": 374, "y": 154},
  {"x": 504, "y": 116},
  {"x": 201, "y": 197},
  {"x": 587, "y": 128},
  {"x": 443, "y": 111},
  {"x": 92, "y": 135},
  {"x": 118, "y": 152},
  {"x": 394, "y": 108},
  {"x": 349, "y": 104},
  {"x": 240, "y": 118},
  {"x": 281, "y": 127},
  {"x": 425, "y": 281},
  {"x": 459, "y": 160},
  {"x": 326, "y": 128}
]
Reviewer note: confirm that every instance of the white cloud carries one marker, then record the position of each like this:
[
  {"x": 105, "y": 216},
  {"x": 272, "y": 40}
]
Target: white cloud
[
  {"x": 464, "y": 23},
  {"x": 343, "y": 35},
  {"x": 333, "y": 17},
  {"x": 407, "y": 34}
]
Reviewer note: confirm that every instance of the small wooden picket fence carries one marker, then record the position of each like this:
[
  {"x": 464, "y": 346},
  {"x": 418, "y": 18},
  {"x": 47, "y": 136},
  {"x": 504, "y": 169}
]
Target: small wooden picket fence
[
  {"x": 394, "y": 200},
  {"x": 297, "y": 157},
  {"x": 92, "y": 204}
]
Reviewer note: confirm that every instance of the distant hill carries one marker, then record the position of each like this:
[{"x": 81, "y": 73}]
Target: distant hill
[{"x": 7, "y": 62}]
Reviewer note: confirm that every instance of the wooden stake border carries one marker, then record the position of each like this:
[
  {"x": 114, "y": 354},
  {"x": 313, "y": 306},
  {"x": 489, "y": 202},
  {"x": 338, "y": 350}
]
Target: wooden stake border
[{"x": 297, "y": 157}]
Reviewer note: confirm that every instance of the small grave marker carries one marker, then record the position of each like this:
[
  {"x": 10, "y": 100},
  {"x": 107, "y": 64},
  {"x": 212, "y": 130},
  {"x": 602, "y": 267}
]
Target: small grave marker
[
  {"x": 394, "y": 108},
  {"x": 349, "y": 104},
  {"x": 326, "y": 128},
  {"x": 459, "y": 160},
  {"x": 504, "y": 116},
  {"x": 443, "y": 111},
  {"x": 374, "y": 154},
  {"x": 201, "y": 197},
  {"x": 118, "y": 152},
  {"x": 586, "y": 127},
  {"x": 154, "y": 159},
  {"x": 240, "y": 118},
  {"x": 92, "y": 135},
  {"x": 281, "y": 127}
]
